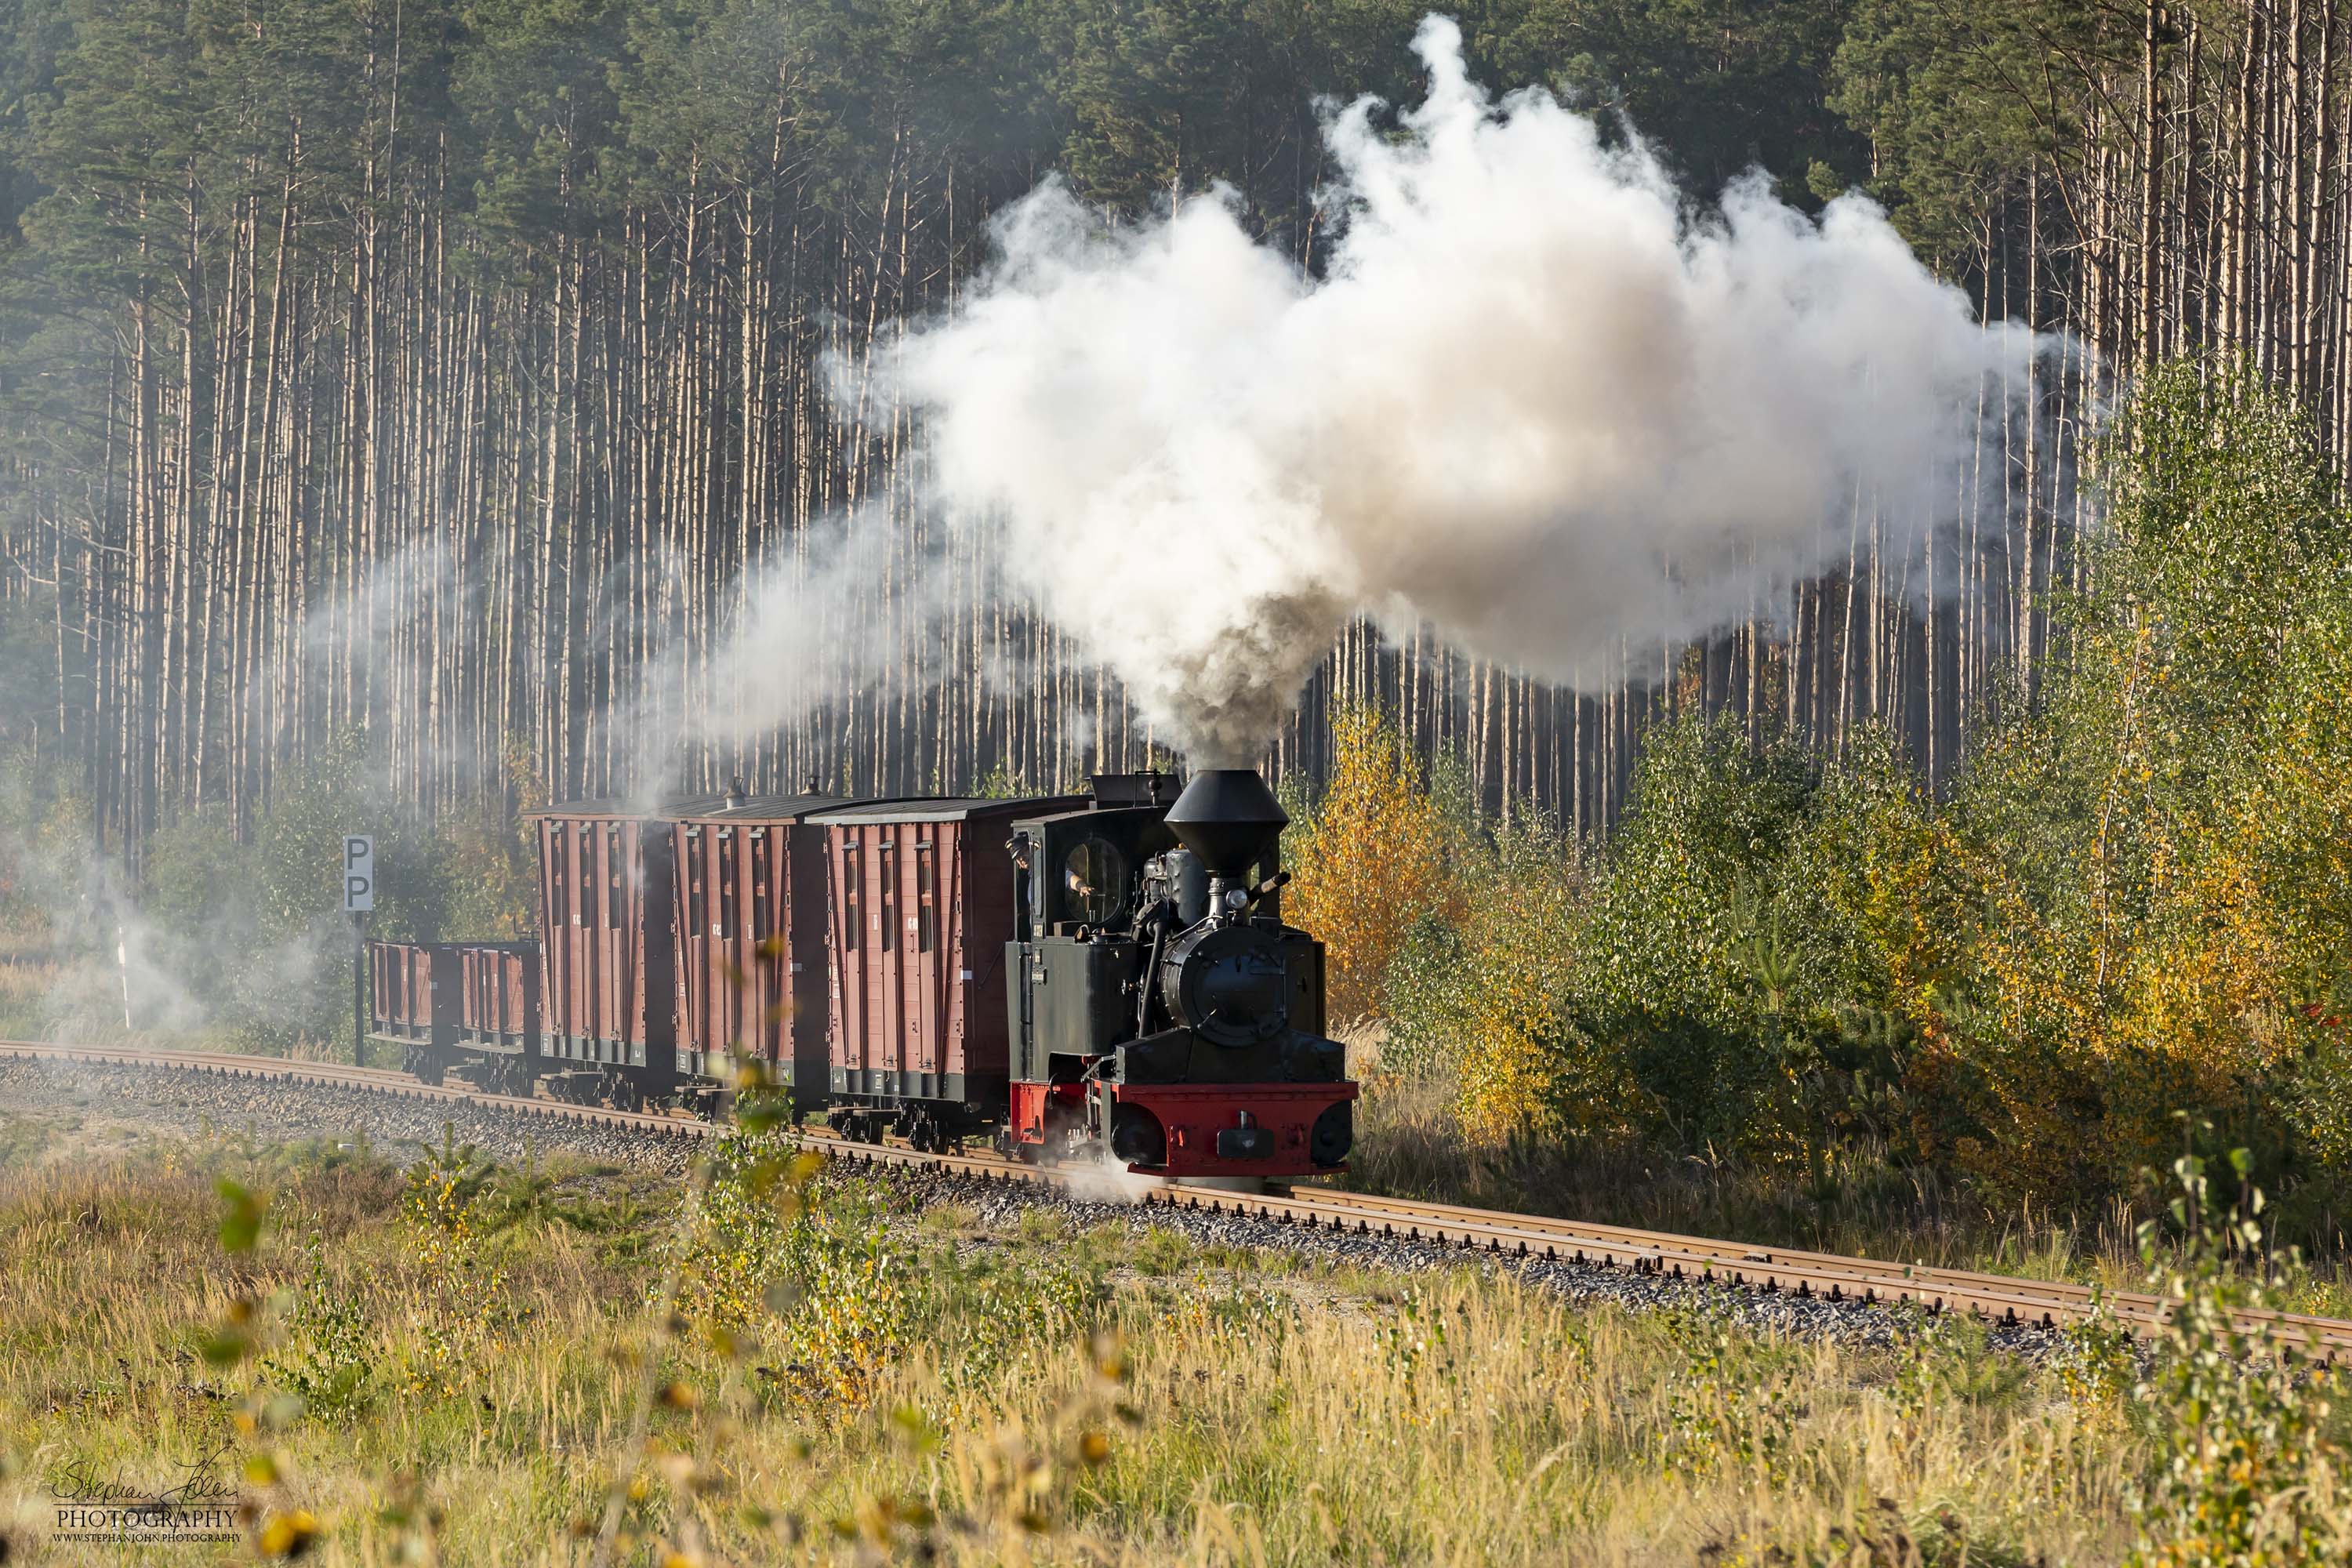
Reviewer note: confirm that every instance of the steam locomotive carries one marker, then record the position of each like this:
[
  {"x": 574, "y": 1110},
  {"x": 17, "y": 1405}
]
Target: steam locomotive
[{"x": 1102, "y": 976}]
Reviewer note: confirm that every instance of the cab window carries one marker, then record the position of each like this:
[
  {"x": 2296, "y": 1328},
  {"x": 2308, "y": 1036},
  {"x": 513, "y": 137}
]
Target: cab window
[{"x": 1094, "y": 882}]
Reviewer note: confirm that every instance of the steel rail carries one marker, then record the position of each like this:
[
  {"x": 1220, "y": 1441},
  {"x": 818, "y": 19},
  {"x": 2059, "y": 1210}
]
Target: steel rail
[
  {"x": 1868, "y": 1274},
  {"x": 341, "y": 1074},
  {"x": 1805, "y": 1274}
]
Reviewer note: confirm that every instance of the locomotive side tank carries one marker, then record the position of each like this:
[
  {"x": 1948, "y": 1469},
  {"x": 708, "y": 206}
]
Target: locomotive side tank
[{"x": 1165, "y": 1016}]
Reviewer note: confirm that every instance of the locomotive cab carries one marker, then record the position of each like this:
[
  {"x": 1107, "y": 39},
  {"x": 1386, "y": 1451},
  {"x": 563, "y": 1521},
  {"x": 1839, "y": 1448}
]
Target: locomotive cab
[{"x": 1163, "y": 1013}]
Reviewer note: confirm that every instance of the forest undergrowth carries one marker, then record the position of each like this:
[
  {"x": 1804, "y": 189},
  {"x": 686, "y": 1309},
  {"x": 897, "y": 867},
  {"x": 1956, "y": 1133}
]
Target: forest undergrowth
[{"x": 1798, "y": 998}]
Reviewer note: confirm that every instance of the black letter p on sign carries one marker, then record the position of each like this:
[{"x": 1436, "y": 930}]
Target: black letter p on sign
[{"x": 359, "y": 873}]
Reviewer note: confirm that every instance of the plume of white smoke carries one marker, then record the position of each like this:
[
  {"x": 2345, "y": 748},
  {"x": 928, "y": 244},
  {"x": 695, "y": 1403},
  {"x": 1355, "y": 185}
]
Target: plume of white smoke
[
  {"x": 116, "y": 975},
  {"x": 1534, "y": 404},
  {"x": 821, "y": 621},
  {"x": 382, "y": 637}
]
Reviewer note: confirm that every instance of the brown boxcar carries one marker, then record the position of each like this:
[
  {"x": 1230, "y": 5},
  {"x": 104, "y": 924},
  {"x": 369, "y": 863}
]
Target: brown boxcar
[
  {"x": 919, "y": 907},
  {"x": 609, "y": 994},
  {"x": 413, "y": 1002},
  {"x": 749, "y": 881},
  {"x": 497, "y": 1012}
]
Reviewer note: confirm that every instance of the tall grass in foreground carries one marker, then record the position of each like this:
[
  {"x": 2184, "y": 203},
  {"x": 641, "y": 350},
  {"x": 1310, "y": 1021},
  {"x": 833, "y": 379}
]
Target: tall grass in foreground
[{"x": 447, "y": 1367}]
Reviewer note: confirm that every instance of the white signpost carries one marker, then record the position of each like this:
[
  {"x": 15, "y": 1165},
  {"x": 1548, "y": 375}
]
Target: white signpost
[
  {"x": 359, "y": 901},
  {"x": 359, "y": 873}
]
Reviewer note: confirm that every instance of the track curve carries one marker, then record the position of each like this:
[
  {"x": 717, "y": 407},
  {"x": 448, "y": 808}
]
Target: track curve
[{"x": 1828, "y": 1275}]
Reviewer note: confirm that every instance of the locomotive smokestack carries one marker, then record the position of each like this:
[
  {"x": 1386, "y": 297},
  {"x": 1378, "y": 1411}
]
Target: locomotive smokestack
[{"x": 1229, "y": 818}]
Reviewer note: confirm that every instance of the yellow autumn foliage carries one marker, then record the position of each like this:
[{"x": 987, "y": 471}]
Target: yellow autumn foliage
[
  {"x": 1368, "y": 860},
  {"x": 2134, "y": 902},
  {"x": 1519, "y": 1073}
]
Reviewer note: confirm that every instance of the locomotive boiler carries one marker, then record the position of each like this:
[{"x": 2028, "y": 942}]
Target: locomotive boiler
[{"x": 1164, "y": 1016}]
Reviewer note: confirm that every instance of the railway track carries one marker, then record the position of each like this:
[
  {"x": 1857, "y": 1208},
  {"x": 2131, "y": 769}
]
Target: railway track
[
  {"x": 338, "y": 1075},
  {"x": 1807, "y": 1275}
]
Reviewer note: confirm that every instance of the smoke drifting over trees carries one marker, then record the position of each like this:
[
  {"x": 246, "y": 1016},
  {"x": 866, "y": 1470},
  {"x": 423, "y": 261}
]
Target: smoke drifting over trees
[
  {"x": 1530, "y": 404},
  {"x": 547, "y": 296}
]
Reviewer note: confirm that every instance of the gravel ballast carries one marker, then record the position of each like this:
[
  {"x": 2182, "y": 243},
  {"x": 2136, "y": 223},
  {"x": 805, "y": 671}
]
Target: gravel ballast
[
  {"x": 179, "y": 1100},
  {"x": 1855, "y": 1322}
]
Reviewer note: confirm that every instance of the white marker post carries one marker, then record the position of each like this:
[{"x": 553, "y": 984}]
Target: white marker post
[{"x": 359, "y": 900}]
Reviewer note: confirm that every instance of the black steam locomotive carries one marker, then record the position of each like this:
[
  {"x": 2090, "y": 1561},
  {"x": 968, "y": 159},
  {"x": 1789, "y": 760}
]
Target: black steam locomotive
[{"x": 1163, "y": 1011}]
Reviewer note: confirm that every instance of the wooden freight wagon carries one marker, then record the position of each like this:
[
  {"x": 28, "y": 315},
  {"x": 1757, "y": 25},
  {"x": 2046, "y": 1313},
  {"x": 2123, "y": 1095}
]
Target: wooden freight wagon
[
  {"x": 499, "y": 1013},
  {"x": 919, "y": 907},
  {"x": 412, "y": 1003},
  {"x": 749, "y": 881},
  {"x": 608, "y": 995}
]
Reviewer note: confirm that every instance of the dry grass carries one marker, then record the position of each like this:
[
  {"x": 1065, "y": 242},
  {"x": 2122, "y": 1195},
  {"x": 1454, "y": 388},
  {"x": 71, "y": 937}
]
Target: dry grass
[
  {"x": 1410, "y": 1143},
  {"x": 26, "y": 981},
  {"x": 1253, "y": 1411}
]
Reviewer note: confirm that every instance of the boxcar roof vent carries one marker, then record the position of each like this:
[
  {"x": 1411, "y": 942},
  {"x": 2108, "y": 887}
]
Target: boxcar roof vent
[
  {"x": 1227, "y": 817},
  {"x": 737, "y": 792}
]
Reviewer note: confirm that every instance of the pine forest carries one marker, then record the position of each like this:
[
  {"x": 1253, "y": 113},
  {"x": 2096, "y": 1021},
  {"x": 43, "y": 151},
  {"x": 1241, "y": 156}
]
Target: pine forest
[{"x": 444, "y": 372}]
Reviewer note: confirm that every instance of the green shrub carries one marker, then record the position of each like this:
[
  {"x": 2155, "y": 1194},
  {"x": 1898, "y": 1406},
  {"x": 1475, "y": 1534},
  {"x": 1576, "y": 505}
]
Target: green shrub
[
  {"x": 2137, "y": 900},
  {"x": 2247, "y": 1468}
]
